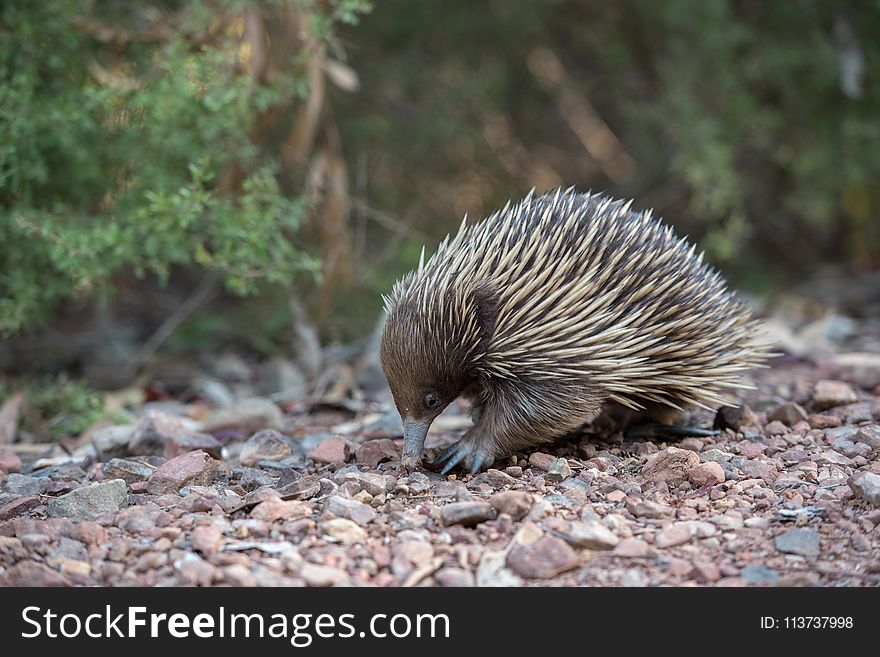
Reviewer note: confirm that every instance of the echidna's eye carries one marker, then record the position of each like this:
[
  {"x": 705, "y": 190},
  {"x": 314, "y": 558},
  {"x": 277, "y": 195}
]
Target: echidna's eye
[{"x": 431, "y": 400}]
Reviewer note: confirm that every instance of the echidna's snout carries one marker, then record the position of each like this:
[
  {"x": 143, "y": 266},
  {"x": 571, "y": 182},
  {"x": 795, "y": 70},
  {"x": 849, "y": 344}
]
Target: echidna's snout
[{"x": 414, "y": 433}]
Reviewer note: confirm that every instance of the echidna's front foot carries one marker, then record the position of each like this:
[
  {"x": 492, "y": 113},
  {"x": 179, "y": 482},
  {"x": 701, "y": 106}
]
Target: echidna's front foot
[{"x": 465, "y": 452}]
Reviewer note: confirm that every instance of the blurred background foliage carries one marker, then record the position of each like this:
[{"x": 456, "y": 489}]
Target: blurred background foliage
[{"x": 206, "y": 174}]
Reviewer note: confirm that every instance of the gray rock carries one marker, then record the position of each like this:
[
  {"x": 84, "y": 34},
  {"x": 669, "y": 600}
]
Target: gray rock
[
  {"x": 493, "y": 571},
  {"x": 303, "y": 488},
  {"x": 466, "y": 513},
  {"x": 344, "y": 507},
  {"x": 788, "y": 413},
  {"x": 801, "y": 540},
  {"x": 266, "y": 445},
  {"x": 754, "y": 574},
  {"x": 716, "y": 455},
  {"x": 828, "y": 394},
  {"x": 374, "y": 484},
  {"x": 866, "y": 485},
  {"x": 840, "y": 433},
  {"x": 19, "y": 484},
  {"x": 419, "y": 484},
  {"x": 216, "y": 392},
  {"x": 776, "y": 428},
  {"x": 282, "y": 380},
  {"x": 734, "y": 417},
  {"x": 127, "y": 470},
  {"x": 112, "y": 441},
  {"x": 67, "y": 548},
  {"x": 247, "y": 416},
  {"x": 232, "y": 367},
  {"x": 859, "y": 368},
  {"x": 870, "y": 435},
  {"x": 558, "y": 470},
  {"x": 633, "y": 578},
  {"x": 454, "y": 577},
  {"x": 89, "y": 502},
  {"x": 157, "y": 430},
  {"x": 576, "y": 487}
]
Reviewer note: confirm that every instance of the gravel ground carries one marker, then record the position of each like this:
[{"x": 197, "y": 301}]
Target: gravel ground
[{"x": 787, "y": 493}]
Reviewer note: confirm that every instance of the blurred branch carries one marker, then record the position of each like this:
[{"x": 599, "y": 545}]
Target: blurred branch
[
  {"x": 515, "y": 156},
  {"x": 202, "y": 293},
  {"x": 388, "y": 221},
  {"x": 255, "y": 32},
  {"x": 598, "y": 139},
  {"x": 158, "y": 30}
]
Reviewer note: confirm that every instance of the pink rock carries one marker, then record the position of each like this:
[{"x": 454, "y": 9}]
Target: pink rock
[
  {"x": 541, "y": 461},
  {"x": 706, "y": 474},
  {"x": 825, "y": 421},
  {"x": 670, "y": 466},
  {"x": 547, "y": 557},
  {"x": 693, "y": 444},
  {"x": 516, "y": 503},
  {"x": 648, "y": 509},
  {"x": 417, "y": 553},
  {"x": 191, "y": 469},
  {"x": 677, "y": 534},
  {"x": 332, "y": 450},
  {"x": 750, "y": 450},
  {"x": 615, "y": 496},
  {"x": 374, "y": 452},
  {"x": 316, "y": 575},
  {"x": 54, "y": 528},
  {"x": 680, "y": 567},
  {"x": 632, "y": 547},
  {"x": 9, "y": 462},
  {"x": 277, "y": 509},
  {"x": 157, "y": 433},
  {"x": 707, "y": 572},
  {"x": 206, "y": 539},
  {"x": 32, "y": 574}
]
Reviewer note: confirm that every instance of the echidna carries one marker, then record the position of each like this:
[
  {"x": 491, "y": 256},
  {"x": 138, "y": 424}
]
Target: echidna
[{"x": 551, "y": 312}]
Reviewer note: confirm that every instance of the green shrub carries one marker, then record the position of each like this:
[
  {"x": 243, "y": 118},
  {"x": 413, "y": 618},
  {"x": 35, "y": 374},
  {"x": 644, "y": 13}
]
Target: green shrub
[{"x": 111, "y": 156}]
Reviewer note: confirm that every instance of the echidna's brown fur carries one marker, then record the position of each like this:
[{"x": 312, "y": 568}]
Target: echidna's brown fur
[{"x": 551, "y": 310}]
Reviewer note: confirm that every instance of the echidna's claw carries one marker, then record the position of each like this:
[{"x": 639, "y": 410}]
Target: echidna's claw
[
  {"x": 453, "y": 456},
  {"x": 463, "y": 452},
  {"x": 477, "y": 463}
]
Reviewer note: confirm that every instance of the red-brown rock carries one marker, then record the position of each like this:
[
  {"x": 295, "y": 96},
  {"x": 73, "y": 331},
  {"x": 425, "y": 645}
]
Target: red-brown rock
[
  {"x": 192, "y": 468},
  {"x": 9, "y": 462},
  {"x": 334, "y": 450},
  {"x": 374, "y": 452}
]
